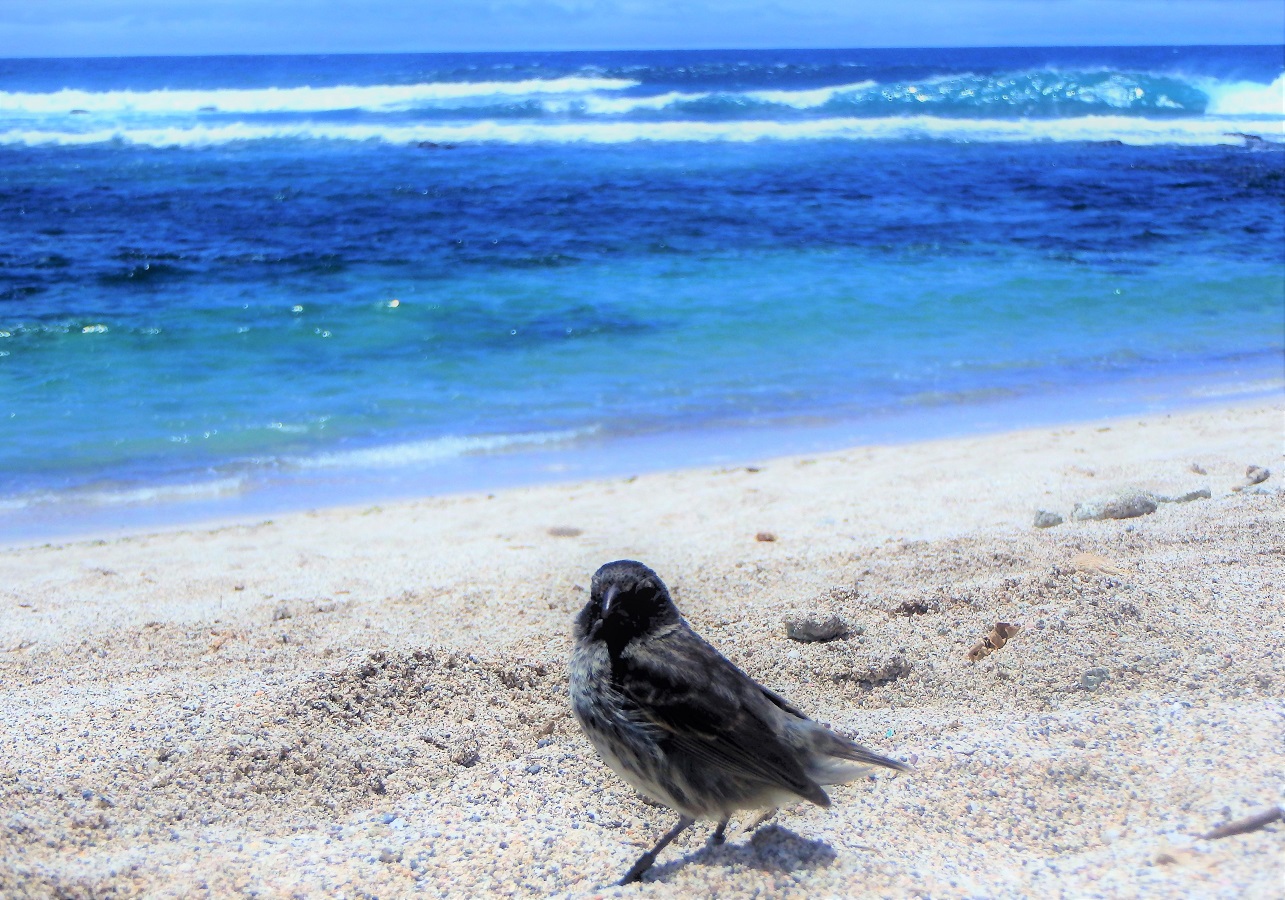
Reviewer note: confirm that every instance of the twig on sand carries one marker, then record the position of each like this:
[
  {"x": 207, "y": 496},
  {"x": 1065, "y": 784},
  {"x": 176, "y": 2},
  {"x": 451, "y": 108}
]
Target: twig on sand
[{"x": 1246, "y": 825}]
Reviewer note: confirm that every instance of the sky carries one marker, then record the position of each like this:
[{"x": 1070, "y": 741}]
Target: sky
[{"x": 184, "y": 27}]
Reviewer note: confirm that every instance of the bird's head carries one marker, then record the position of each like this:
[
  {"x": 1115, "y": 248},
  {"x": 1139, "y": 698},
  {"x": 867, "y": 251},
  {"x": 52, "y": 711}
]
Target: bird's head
[{"x": 627, "y": 600}]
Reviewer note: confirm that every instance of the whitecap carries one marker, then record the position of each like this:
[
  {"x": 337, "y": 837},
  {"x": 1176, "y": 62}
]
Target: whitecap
[
  {"x": 1245, "y": 98},
  {"x": 296, "y": 99}
]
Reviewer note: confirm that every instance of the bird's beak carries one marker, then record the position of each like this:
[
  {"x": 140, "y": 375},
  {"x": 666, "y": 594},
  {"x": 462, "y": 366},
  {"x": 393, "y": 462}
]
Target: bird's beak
[{"x": 607, "y": 596}]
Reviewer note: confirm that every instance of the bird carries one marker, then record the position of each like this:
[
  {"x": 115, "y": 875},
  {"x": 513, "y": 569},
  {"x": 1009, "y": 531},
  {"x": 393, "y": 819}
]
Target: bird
[{"x": 682, "y": 724}]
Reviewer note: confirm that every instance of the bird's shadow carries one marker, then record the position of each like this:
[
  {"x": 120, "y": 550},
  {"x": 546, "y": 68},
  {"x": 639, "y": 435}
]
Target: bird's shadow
[{"x": 771, "y": 848}]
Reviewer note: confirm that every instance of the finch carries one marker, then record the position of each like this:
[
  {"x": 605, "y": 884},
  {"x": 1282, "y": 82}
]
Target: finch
[{"x": 682, "y": 724}]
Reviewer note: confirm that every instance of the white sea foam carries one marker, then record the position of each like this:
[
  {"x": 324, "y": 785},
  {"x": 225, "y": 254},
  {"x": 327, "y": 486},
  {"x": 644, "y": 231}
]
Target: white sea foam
[
  {"x": 614, "y": 106},
  {"x": 1245, "y": 98},
  {"x": 167, "y": 493},
  {"x": 810, "y": 99},
  {"x": 298, "y": 99},
  {"x": 798, "y": 99},
  {"x": 105, "y": 496},
  {"x": 411, "y": 453},
  {"x": 1126, "y": 129},
  {"x": 592, "y": 95},
  {"x": 1239, "y": 388}
]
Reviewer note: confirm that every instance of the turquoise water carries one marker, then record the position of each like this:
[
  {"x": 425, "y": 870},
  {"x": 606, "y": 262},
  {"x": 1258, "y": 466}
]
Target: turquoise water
[{"x": 250, "y": 283}]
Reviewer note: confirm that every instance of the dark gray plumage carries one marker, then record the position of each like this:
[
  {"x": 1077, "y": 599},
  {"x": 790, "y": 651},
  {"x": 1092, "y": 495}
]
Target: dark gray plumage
[{"x": 673, "y": 717}]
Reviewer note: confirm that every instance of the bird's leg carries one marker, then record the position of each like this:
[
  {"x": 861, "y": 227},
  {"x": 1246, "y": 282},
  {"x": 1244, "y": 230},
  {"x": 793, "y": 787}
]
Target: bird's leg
[
  {"x": 761, "y": 819},
  {"x": 635, "y": 872},
  {"x": 718, "y": 837}
]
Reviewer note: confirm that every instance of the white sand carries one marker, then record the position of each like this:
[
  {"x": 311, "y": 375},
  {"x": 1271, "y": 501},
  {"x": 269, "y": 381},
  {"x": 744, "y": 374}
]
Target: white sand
[{"x": 371, "y": 702}]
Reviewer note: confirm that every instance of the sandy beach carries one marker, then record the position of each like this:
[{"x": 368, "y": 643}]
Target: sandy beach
[{"x": 370, "y": 702}]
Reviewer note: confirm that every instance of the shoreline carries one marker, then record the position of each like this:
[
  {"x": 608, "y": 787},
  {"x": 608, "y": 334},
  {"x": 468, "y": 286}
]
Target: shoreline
[
  {"x": 351, "y": 700},
  {"x": 227, "y": 497}
]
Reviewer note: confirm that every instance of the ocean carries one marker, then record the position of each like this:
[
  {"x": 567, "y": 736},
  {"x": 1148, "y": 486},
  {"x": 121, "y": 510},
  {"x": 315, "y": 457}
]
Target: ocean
[{"x": 236, "y": 285}]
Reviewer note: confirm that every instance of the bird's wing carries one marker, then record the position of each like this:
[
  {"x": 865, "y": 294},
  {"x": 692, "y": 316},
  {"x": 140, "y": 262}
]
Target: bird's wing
[
  {"x": 826, "y": 743},
  {"x": 784, "y": 704},
  {"x": 711, "y": 710}
]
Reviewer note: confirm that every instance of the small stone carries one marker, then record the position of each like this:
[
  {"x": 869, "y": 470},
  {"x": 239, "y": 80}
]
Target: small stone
[
  {"x": 1046, "y": 519},
  {"x": 1197, "y": 468},
  {"x": 1200, "y": 493},
  {"x": 388, "y": 855},
  {"x": 875, "y": 673},
  {"x": 466, "y": 756},
  {"x": 810, "y": 629},
  {"x": 565, "y": 531},
  {"x": 766, "y": 537},
  {"x": 1128, "y": 504},
  {"x": 1094, "y": 678},
  {"x": 1253, "y": 475}
]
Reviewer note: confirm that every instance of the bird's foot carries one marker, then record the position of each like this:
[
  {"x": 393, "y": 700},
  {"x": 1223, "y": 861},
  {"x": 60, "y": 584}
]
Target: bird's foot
[{"x": 636, "y": 871}]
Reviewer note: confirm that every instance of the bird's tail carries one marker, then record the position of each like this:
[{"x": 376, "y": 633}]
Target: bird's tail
[{"x": 835, "y": 759}]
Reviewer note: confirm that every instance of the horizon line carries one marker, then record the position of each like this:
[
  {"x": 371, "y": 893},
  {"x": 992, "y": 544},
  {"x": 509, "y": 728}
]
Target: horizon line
[{"x": 756, "y": 49}]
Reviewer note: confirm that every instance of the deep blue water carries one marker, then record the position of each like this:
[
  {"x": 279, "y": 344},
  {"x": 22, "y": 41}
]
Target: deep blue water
[{"x": 219, "y": 277}]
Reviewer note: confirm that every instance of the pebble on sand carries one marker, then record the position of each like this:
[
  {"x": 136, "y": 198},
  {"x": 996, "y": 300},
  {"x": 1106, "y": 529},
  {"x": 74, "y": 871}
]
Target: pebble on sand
[
  {"x": 1128, "y": 504},
  {"x": 1046, "y": 519},
  {"x": 1094, "y": 678},
  {"x": 1254, "y": 475},
  {"x": 810, "y": 629}
]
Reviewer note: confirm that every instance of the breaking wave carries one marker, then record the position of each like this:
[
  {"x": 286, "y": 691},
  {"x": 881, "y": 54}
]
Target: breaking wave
[
  {"x": 1044, "y": 94},
  {"x": 292, "y": 100},
  {"x": 1036, "y": 105}
]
